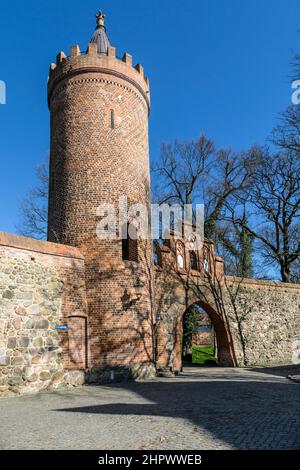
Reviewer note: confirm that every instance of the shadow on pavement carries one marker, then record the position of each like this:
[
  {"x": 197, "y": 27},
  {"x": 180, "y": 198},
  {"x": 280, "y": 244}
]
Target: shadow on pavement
[
  {"x": 245, "y": 414},
  {"x": 282, "y": 371}
]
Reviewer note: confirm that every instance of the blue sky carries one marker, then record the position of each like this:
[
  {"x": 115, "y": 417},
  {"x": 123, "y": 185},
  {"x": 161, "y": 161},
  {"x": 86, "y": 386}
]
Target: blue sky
[{"x": 220, "y": 66}]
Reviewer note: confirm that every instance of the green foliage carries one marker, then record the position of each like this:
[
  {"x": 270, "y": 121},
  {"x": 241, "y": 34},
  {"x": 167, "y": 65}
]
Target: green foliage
[
  {"x": 245, "y": 256},
  {"x": 190, "y": 323}
]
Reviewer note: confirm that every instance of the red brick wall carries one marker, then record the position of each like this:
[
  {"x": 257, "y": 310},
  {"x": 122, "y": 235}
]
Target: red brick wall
[{"x": 204, "y": 338}]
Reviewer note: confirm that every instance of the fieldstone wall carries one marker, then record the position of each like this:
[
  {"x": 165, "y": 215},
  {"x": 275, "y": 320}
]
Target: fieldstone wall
[
  {"x": 265, "y": 321},
  {"x": 41, "y": 286}
]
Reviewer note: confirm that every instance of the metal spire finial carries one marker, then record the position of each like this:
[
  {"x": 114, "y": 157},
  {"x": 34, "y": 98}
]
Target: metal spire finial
[{"x": 100, "y": 19}]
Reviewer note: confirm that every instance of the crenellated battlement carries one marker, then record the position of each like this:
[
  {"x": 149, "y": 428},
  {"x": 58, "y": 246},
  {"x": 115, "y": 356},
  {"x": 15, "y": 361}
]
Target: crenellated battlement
[{"x": 92, "y": 61}]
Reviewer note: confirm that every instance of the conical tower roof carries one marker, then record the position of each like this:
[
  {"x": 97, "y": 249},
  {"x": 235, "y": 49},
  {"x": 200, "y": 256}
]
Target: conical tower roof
[{"x": 100, "y": 37}]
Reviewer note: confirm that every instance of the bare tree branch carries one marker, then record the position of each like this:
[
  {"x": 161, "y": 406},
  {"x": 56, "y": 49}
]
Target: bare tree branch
[{"x": 34, "y": 207}]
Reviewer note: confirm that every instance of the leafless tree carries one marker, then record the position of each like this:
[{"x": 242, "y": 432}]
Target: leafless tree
[
  {"x": 230, "y": 175},
  {"x": 195, "y": 172},
  {"x": 34, "y": 207},
  {"x": 236, "y": 246},
  {"x": 286, "y": 135},
  {"x": 274, "y": 201},
  {"x": 181, "y": 170},
  {"x": 295, "y": 271}
]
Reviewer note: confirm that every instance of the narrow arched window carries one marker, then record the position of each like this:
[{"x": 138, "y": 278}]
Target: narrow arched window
[
  {"x": 130, "y": 244},
  {"x": 112, "y": 119},
  {"x": 206, "y": 265},
  {"x": 193, "y": 261},
  {"x": 206, "y": 260},
  {"x": 180, "y": 255}
]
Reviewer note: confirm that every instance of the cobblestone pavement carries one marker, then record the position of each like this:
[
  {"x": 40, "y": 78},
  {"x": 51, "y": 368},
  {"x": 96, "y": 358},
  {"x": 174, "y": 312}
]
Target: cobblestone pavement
[{"x": 201, "y": 409}]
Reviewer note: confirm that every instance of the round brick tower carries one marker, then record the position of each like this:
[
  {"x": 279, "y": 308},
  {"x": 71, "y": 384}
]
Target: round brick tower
[{"x": 99, "y": 109}]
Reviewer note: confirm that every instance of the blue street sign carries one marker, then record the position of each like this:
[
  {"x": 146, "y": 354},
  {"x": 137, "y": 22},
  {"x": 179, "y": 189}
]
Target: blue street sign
[{"x": 61, "y": 327}]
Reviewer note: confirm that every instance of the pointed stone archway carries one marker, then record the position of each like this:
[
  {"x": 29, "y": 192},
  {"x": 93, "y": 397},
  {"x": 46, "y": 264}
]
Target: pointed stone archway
[
  {"x": 170, "y": 332},
  {"x": 198, "y": 336}
]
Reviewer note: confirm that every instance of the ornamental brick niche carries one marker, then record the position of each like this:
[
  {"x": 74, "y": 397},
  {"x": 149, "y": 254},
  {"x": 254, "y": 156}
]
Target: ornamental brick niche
[
  {"x": 99, "y": 108},
  {"x": 77, "y": 337}
]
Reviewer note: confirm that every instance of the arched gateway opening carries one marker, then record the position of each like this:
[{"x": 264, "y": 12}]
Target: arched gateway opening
[
  {"x": 199, "y": 345},
  {"x": 218, "y": 333}
]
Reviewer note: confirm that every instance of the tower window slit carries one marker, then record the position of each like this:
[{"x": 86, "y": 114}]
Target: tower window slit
[{"x": 112, "y": 119}]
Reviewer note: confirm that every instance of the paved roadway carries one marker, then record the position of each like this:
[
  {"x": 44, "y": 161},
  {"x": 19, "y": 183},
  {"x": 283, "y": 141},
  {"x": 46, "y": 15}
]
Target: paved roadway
[{"x": 207, "y": 408}]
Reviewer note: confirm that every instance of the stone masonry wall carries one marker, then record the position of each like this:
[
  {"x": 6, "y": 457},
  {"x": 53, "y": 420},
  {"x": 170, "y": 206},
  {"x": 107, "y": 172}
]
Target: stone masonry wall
[
  {"x": 265, "y": 321},
  {"x": 41, "y": 286}
]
